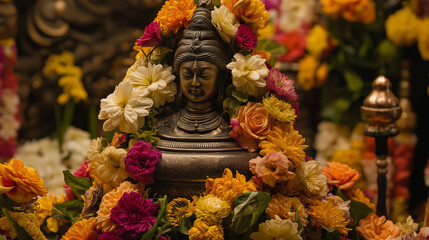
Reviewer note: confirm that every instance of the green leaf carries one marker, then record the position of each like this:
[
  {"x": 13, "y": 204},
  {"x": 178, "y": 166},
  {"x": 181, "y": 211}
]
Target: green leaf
[
  {"x": 247, "y": 209},
  {"x": 337, "y": 191},
  {"x": 297, "y": 219},
  {"x": 354, "y": 81},
  {"x": 273, "y": 48},
  {"x": 231, "y": 106},
  {"x": 109, "y": 136},
  {"x": 184, "y": 225},
  {"x": 79, "y": 185},
  {"x": 69, "y": 210},
  {"x": 331, "y": 234},
  {"x": 242, "y": 97},
  {"x": 3, "y": 237},
  {"x": 22, "y": 234},
  {"x": 229, "y": 90},
  {"x": 359, "y": 210},
  {"x": 5, "y": 202},
  {"x": 216, "y": 3},
  {"x": 161, "y": 215}
]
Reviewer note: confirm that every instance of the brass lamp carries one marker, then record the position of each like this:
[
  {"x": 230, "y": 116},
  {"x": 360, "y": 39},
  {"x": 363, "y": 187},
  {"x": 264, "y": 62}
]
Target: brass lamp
[{"x": 380, "y": 110}]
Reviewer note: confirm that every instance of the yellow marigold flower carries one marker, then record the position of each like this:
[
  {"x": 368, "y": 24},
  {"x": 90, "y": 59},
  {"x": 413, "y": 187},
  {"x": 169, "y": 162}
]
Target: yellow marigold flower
[
  {"x": 423, "y": 39},
  {"x": 202, "y": 231},
  {"x": 211, "y": 209},
  {"x": 109, "y": 201},
  {"x": 374, "y": 227},
  {"x": 357, "y": 195},
  {"x": 284, "y": 208},
  {"x": 279, "y": 109},
  {"x": 286, "y": 140},
  {"x": 329, "y": 215},
  {"x": 175, "y": 14},
  {"x": 317, "y": 41},
  {"x": 267, "y": 32},
  {"x": 28, "y": 221},
  {"x": 277, "y": 229},
  {"x": 402, "y": 27},
  {"x": 350, "y": 157},
  {"x": 52, "y": 224},
  {"x": 331, "y": 8},
  {"x": 84, "y": 229},
  {"x": 251, "y": 12},
  {"x": 21, "y": 184},
  {"x": 45, "y": 205},
  {"x": 110, "y": 166},
  {"x": 178, "y": 208},
  {"x": 351, "y": 10},
  {"x": 227, "y": 187}
]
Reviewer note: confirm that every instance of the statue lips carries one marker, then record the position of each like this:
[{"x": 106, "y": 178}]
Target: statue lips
[{"x": 197, "y": 91}]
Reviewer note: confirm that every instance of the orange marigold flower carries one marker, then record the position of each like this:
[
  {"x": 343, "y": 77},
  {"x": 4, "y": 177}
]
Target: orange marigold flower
[
  {"x": 227, "y": 187},
  {"x": 286, "y": 140},
  {"x": 252, "y": 12},
  {"x": 351, "y": 10},
  {"x": 84, "y": 229},
  {"x": 175, "y": 14},
  {"x": 328, "y": 214},
  {"x": 21, "y": 184},
  {"x": 340, "y": 175},
  {"x": 285, "y": 207},
  {"x": 374, "y": 227},
  {"x": 357, "y": 195},
  {"x": 109, "y": 201},
  {"x": 264, "y": 54}
]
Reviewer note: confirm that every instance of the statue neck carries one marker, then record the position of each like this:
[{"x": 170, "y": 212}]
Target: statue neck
[
  {"x": 198, "y": 121},
  {"x": 199, "y": 107}
]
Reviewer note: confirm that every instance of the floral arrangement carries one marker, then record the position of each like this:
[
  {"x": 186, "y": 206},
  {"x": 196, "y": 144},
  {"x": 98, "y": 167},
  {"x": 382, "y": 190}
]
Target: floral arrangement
[
  {"x": 9, "y": 100},
  {"x": 289, "y": 196}
]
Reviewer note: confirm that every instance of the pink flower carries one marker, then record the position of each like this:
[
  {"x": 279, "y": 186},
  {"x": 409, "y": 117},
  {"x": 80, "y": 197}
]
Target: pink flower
[
  {"x": 424, "y": 234},
  {"x": 134, "y": 213},
  {"x": 152, "y": 36},
  {"x": 245, "y": 38},
  {"x": 81, "y": 171},
  {"x": 141, "y": 160},
  {"x": 295, "y": 43},
  {"x": 281, "y": 85},
  {"x": 272, "y": 4},
  {"x": 272, "y": 168},
  {"x": 69, "y": 193}
]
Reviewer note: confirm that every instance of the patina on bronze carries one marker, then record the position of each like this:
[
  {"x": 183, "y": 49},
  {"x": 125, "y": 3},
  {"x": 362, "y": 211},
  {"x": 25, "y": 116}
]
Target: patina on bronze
[
  {"x": 195, "y": 141},
  {"x": 380, "y": 110}
]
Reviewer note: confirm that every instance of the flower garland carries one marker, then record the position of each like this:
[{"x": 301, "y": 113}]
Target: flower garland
[
  {"x": 290, "y": 196},
  {"x": 9, "y": 100}
]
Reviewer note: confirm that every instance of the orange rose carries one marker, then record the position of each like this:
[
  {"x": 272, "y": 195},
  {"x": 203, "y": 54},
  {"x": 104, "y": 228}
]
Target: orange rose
[
  {"x": 374, "y": 227},
  {"x": 340, "y": 175},
  {"x": 21, "y": 184},
  {"x": 264, "y": 54},
  {"x": 251, "y": 125}
]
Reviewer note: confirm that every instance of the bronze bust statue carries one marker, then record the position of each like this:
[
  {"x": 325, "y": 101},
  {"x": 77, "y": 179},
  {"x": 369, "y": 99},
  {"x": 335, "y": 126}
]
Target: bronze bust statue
[{"x": 195, "y": 141}]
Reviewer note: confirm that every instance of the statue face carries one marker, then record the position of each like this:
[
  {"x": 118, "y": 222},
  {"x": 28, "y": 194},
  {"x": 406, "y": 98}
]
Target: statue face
[{"x": 199, "y": 80}]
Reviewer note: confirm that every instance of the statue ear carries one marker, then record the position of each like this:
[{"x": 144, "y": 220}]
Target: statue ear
[
  {"x": 179, "y": 99},
  {"x": 221, "y": 89}
]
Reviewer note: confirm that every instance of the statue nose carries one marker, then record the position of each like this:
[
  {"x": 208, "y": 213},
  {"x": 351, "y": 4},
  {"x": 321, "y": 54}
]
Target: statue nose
[{"x": 195, "y": 82}]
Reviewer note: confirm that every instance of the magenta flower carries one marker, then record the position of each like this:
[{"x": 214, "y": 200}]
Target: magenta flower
[
  {"x": 272, "y": 4},
  {"x": 281, "y": 85},
  {"x": 81, "y": 171},
  {"x": 134, "y": 213},
  {"x": 140, "y": 162},
  {"x": 108, "y": 236},
  {"x": 245, "y": 38},
  {"x": 152, "y": 36}
]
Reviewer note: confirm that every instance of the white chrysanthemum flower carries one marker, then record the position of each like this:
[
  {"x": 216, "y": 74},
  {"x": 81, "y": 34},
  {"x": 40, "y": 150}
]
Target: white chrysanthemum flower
[
  {"x": 95, "y": 150},
  {"x": 110, "y": 168},
  {"x": 10, "y": 102},
  {"x": 225, "y": 23},
  {"x": 277, "y": 229},
  {"x": 248, "y": 74},
  {"x": 9, "y": 127},
  {"x": 75, "y": 144},
  {"x": 311, "y": 179},
  {"x": 155, "y": 81},
  {"x": 125, "y": 109}
]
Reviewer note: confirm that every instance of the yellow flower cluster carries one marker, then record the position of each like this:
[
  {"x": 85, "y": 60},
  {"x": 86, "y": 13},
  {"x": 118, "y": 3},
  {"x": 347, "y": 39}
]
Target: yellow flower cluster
[
  {"x": 351, "y": 10},
  {"x": 279, "y": 110},
  {"x": 251, "y": 12},
  {"x": 357, "y": 195},
  {"x": 227, "y": 187},
  {"x": 284, "y": 207},
  {"x": 178, "y": 208},
  {"x": 286, "y": 140},
  {"x": 317, "y": 41},
  {"x": 311, "y": 72},
  {"x": 28, "y": 221},
  {"x": 328, "y": 214},
  {"x": 351, "y": 157},
  {"x": 404, "y": 28},
  {"x": 44, "y": 211},
  {"x": 202, "y": 231},
  {"x": 70, "y": 76},
  {"x": 211, "y": 209},
  {"x": 175, "y": 14}
]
